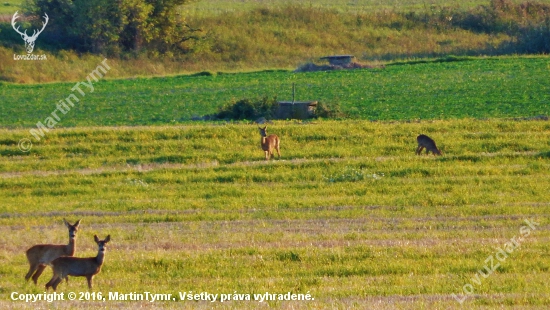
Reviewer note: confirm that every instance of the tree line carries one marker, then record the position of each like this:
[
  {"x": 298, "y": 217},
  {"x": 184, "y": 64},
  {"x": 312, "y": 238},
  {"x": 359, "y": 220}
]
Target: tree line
[{"x": 115, "y": 26}]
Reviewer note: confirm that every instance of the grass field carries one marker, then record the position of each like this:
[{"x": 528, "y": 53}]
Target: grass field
[
  {"x": 469, "y": 87},
  {"x": 237, "y": 36},
  {"x": 209, "y": 7},
  {"x": 349, "y": 214},
  {"x": 349, "y": 217},
  {"x": 9, "y": 6}
]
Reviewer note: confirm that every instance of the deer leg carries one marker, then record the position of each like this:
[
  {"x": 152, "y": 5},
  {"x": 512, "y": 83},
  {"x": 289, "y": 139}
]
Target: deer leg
[
  {"x": 56, "y": 283},
  {"x": 419, "y": 149},
  {"x": 39, "y": 271},
  {"x": 50, "y": 282},
  {"x": 89, "y": 278},
  {"x": 32, "y": 269},
  {"x": 266, "y": 155}
]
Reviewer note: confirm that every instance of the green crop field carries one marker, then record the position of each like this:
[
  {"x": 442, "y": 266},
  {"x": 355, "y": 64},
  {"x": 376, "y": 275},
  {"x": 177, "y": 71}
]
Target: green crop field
[
  {"x": 447, "y": 89},
  {"x": 349, "y": 214}
]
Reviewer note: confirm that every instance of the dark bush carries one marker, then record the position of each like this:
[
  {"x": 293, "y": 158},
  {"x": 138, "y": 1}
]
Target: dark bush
[
  {"x": 248, "y": 109},
  {"x": 503, "y": 16},
  {"x": 534, "y": 39}
]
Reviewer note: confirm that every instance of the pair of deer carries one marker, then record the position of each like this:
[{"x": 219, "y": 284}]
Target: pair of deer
[
  {"x": 60, "y": 257},
  {"x": 271, "y": 142}
]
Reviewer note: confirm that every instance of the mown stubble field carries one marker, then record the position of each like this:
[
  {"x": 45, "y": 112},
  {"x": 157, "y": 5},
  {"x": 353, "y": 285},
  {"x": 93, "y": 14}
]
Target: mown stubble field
[{"x": 348, "y": 215}]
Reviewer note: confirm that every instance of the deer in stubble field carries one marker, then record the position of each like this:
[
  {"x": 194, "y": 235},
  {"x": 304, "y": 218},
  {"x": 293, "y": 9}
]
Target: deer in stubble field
[
  {"x": 269, "y": 143},
  {"x": 428, "y": 143},
  {"x": 40, "y": 255},
  {"x": 78, "y": 266}
]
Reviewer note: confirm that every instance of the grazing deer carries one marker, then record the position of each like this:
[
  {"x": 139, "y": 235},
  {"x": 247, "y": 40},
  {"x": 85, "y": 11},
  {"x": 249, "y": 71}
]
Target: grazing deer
[
  {"x": 269, "y": 143},
  {"x": 428, "y": 143},
  {"x": 78, "y": 266},
  {"x": 41, "y": 255}
]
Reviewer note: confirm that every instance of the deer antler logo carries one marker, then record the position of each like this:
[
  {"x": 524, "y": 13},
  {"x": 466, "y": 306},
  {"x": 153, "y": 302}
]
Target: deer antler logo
[{"x": 29, "y": 41}]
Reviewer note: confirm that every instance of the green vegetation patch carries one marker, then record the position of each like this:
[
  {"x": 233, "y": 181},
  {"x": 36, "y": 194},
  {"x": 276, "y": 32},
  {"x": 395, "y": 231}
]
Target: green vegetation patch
[
  {"x": 448, "y": 89},
  {"x": 259, "y": 35}
]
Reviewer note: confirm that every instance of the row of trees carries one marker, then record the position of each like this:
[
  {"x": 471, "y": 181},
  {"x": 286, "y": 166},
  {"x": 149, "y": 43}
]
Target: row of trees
[{"x": 112, "y": 26}]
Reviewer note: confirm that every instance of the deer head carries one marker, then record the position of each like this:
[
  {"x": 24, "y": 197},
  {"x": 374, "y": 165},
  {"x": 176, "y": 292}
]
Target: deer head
[{"x": 29, "y": 41}]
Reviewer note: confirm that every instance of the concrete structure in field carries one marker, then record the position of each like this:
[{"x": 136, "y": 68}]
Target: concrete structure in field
[
  {"x": 295, "y": 109},
  {"x": 339, "y": 60}
]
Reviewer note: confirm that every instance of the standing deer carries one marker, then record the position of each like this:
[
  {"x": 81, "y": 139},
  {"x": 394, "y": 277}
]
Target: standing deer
[
  {"x": 41, "y": 255},
  {"x": 428, "y": 143},
  {"x": 78, "y": 266},
  {"x": 269, "y": 143},
  {"x": 29, "y": 41}
]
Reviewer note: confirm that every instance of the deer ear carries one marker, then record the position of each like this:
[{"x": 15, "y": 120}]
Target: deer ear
[
  {"x": 66, "y": 223},
  {"x": 77, "y": 223},
  {"x": 108, "y": 238},
  {"x": 96, "y": 238}
]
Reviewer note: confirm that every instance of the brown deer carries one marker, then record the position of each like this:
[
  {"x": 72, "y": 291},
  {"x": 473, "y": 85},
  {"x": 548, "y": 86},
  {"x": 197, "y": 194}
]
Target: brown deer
[
  {"x": 41, "y": 255},
  {"x": 78, "y": 266},
  {"x": 269, "y": 143},
  {"x": 428, "y": 143}
]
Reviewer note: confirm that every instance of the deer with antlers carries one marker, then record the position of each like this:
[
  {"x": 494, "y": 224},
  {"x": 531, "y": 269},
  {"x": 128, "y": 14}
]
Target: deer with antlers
[
  {"x": 40, "y": 255},
  {"x": 78, "y": 266},
  {"x": 29, "y": 41}
]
